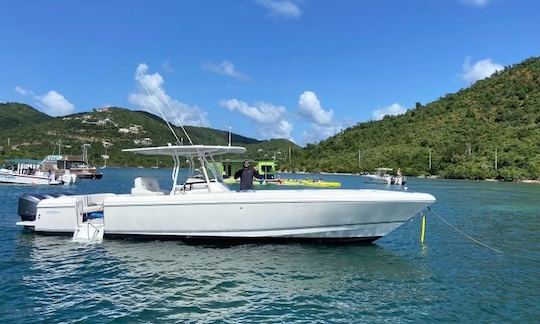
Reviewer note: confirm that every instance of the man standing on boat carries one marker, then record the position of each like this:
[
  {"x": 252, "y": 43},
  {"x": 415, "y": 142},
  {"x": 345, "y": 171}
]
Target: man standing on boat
[{"x": 246, "y": 175}]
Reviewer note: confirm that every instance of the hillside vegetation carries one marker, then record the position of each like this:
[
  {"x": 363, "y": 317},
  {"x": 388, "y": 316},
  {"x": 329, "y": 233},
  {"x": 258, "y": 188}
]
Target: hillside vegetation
[
  {"x": 17, "y": 115},
  {"x": 489, "y": 130},
  {"x": 117, "y": 129},
  {"x": 464, "y": 131}
]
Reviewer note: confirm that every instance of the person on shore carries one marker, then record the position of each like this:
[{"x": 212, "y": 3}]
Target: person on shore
[{"x": 246, "y": 175}]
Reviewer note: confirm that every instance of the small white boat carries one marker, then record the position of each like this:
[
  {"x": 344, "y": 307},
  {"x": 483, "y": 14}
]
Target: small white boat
[
  {"x": 381, "y": 175},
  {"x": 203, "y": 207},
  {"x": 23, "y": 171}
]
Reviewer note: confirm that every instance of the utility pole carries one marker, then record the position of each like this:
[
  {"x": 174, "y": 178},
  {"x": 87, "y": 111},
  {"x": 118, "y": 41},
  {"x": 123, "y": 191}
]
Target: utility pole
[
  {"x": 229, "y": 135},
  {"x": 290, "y": 155},
  {"x": 85, "y": 152},
  {"x": 495, "y": 158},
  {"x": 105, "y": 156},
  {"x": 429, "y": 159},
  {"x": 359, "y": 157}
]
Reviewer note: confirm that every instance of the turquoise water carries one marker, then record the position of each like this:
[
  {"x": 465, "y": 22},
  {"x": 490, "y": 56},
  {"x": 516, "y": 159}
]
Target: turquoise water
[{"x": 449, "y": 279}]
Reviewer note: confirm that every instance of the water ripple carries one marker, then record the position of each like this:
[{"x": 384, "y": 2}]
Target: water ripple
[{"x": 51, "y": 279}]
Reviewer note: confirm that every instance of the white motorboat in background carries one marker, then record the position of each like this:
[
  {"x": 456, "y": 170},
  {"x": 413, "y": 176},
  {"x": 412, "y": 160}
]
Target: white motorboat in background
[
  {"x": 382, "y": 176},
  {"x": 25, "y": 171}
]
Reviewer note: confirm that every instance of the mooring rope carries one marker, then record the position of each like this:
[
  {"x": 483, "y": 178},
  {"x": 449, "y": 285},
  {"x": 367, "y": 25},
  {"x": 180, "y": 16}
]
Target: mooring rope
[{"x": 460, "y": 232}]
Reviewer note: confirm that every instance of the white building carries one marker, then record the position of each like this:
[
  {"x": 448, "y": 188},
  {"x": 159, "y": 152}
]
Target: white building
[
  {"x": 146, "y": 141},
  {"x": 135, "y": 129}
]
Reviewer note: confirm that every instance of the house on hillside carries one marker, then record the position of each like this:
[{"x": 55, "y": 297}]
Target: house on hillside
[
  {"x": 135, "y": 129},
  {"x": 101, "y": 122},
  {"x": 146, "y": 141}
]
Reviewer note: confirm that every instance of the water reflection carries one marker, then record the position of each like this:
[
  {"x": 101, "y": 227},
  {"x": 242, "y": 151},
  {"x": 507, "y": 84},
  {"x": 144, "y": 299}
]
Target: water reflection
[{"x": 254, "y": 281}]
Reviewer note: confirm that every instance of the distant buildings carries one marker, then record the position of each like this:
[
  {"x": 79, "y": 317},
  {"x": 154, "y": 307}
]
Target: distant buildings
[
  {"x": 144, "y": 141},
  {"x": 134, "y": 129},
  {"x": 100, "y": 122}
]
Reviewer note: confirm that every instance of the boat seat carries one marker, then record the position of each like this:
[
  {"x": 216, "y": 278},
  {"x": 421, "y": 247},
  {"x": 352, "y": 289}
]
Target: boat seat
[
  {"x": 92, "y": 209},
  {"x": 146, "y": 186}
]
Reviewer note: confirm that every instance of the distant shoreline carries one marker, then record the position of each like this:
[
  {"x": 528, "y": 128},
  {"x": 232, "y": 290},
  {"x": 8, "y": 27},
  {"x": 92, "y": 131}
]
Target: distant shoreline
[{"x": 530, "y": 181}]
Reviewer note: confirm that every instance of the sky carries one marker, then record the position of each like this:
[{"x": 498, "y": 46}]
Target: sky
[{"x": 296, "y": 69}]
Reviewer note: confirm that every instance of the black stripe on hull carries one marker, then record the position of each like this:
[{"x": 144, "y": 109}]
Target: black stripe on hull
[
  {"x": 219, "y": 240},
  {"x": 89, "y": 176}
]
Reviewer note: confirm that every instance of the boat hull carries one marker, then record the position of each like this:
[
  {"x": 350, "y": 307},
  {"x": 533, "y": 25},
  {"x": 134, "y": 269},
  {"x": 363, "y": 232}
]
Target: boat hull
[
  {"x": 302, "y": 214},
  {"x": 370, "y": 178},
  {"x": 15, "y": 178},
  {"x": 298, "y": 215}
]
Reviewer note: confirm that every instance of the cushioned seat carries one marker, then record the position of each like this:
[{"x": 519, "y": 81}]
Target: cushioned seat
[{"x": 146, "y": 186}]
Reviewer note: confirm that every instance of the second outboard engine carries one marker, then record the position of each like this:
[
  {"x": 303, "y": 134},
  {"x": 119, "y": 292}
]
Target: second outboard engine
[{"x": 28, "y": 205}]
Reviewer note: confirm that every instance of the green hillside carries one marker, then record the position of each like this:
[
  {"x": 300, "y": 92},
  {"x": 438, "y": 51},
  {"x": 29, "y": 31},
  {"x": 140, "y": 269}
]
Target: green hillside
[
  {"x": 118, "y": 128},
  {"x": 463, "y": 130},
  {"x": 14, "y": 114}
]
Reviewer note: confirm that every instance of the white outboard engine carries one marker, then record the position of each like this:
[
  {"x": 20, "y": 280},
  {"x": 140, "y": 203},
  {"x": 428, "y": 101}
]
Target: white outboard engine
[{"x": 68, "y": 178}]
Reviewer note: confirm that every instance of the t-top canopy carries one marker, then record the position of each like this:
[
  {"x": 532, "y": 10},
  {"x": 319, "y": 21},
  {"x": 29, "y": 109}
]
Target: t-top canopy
[{"x": 187, "y": 150}]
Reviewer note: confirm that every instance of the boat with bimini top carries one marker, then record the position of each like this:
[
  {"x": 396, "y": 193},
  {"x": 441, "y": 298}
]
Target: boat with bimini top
[
  {"x": 201, "y": 206},
  {"x": 26, "y": 171}
]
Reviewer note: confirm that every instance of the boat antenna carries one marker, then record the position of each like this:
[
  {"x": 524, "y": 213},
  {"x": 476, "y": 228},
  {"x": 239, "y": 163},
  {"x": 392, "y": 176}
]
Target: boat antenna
[
  {"x": 174, "y": 114},
  {"x": 160, "y": 112}
]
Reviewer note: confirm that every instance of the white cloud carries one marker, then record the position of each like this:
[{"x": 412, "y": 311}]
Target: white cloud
[
  {"x": 281, "y": 8},
  {"x": 282, "y": 129},
  {"x": 226, "y": 68},
  {"x": 167, "y": 67},
  {"x": 187, "y": 115},
  {"x": 23, "y": 91},
  {"x": 316, "y": 133},
  {"x": 52, "y": 103},
  {"x": 310, "y": 108},
  {"x": 476, "y": 3},
  {"x": 55, "y": 104},
  {"x": 479, "y": 70},
  {"x": 322, "y": 124},
  {"x": 270, "y": 117},
  {"x": 261, "y": 112},
  {"x": 393, "y": 109}
]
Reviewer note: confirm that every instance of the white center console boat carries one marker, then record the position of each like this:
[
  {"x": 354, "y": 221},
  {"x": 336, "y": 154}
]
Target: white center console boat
[{"x": 203, "y": 207}]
